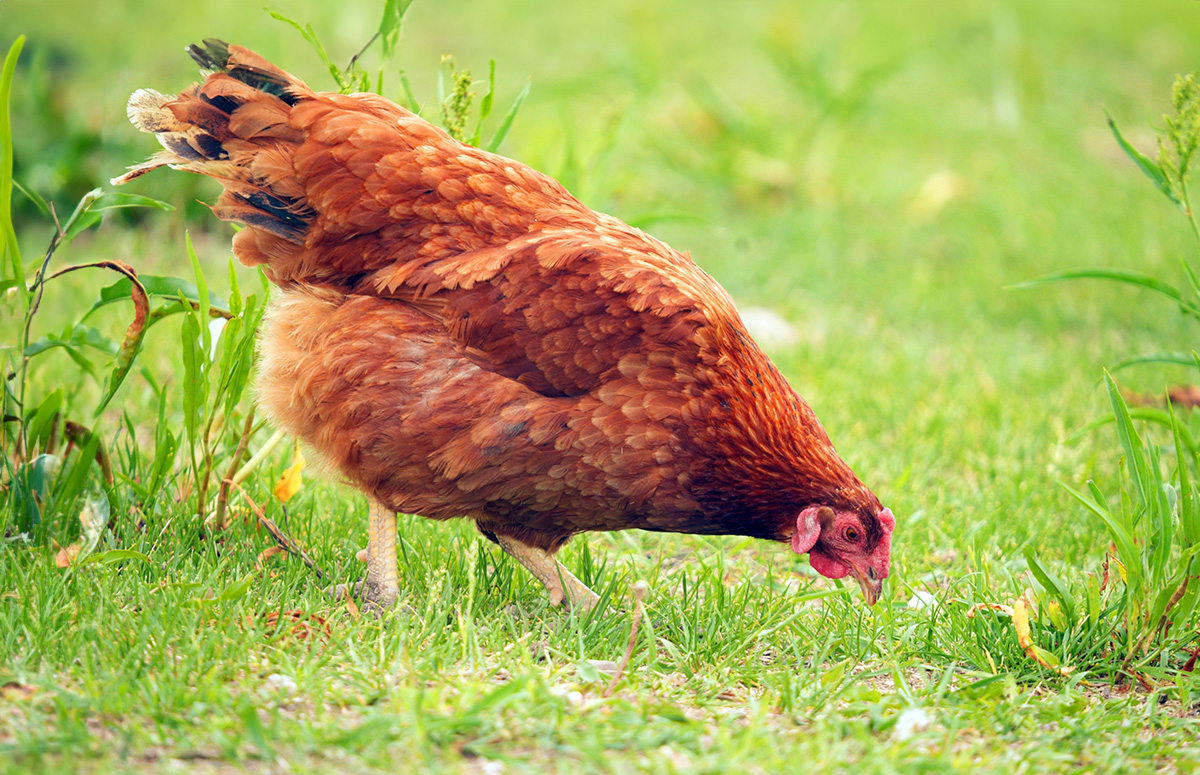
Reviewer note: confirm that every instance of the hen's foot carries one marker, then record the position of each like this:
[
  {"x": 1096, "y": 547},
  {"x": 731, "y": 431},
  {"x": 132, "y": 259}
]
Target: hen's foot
[
  {"x": 380, "y": 589},
  {"x": 560, "y": 583},
  {"x": 373, "y": 599}
]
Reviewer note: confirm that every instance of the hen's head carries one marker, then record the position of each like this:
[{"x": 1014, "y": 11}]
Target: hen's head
[{"x": 841, "y": 543}]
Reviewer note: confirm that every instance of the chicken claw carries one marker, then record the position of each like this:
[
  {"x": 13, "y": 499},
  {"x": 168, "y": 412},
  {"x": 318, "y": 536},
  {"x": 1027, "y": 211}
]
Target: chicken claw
[
  {"x": 381, "y": 588},
  {"x": 560, "y": 583}
]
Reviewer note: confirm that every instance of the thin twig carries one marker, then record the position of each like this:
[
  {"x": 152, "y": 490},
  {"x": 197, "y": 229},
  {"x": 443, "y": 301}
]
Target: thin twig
[
  {"x": 361, "y": 51},
  {"x": 280, "y": 537},
  {"x": 639, "y": 593},
  {"x": 223, "y": 492}
]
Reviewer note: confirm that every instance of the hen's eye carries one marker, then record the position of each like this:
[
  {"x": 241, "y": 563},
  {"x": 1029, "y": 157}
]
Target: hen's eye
[{"x": 851, "y": 534}]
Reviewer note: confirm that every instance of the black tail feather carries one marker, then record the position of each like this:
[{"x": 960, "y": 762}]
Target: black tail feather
[{"x": 212, "y": 54}]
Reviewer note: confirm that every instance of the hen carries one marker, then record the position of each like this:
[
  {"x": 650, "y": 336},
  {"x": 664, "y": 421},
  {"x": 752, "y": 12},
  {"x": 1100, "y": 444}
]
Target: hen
[{"x": 459, "y": 336}]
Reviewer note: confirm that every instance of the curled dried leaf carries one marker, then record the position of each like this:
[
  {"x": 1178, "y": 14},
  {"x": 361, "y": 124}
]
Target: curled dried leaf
[{"x": 266, "y": 554}]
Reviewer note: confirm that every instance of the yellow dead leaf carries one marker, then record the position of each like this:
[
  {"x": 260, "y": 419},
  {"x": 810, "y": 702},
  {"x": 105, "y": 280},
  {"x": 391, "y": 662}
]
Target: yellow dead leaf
[
  {"x": 289, "y": 484},
  {"x": 1020, "y": 617}
]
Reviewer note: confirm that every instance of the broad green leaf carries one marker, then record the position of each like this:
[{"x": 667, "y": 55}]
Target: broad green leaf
[
  {"x": 83, "y": 217},
  {"x": 40, "y": 423},
  {"x": 156, "y": 287},
  {"x": 389, "y": 25}
]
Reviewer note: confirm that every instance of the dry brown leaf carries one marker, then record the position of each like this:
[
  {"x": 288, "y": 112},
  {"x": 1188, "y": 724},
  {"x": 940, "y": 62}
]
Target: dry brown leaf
[
  {"x": 289, "y": 483},
  {"x": 1004, "y": 609},
  {"x": 65, "y": 557},
  {"x": 351, "y": 606},
  {"x": 303, "y": 625},
  {"x": 17, "y": 692}
]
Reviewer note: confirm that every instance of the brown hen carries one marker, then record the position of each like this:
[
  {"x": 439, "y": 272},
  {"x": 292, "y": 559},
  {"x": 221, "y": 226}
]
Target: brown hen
[{"x": 458, "y": 336}]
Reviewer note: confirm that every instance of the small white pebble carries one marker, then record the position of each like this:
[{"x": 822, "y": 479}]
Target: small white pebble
[
  {"x": 281, "y": 683},
  {"x": 921, "y": 599},
  {"x": 911, "y": 721},
  {"x": 491, "y": 767}
]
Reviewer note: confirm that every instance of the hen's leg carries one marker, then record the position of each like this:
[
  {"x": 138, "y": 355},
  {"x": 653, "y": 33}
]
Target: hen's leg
[
  {"x": 560, "y": 582},
  {"x": 381, "y": 588}
]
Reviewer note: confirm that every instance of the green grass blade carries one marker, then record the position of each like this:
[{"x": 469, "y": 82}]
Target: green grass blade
[
  {"x": 1126, "y": 546},
  {"x": 193, "y": 405},
  {"x": 1130, "y": 441},
  {"x": 1160, "y": 358},
  {"x": 11, "y": 248},
  {"x": 1189, "y": 509},
  {"x": 1123, "y": 276},
  {"x": 509, "y": 118},
  {"x": 38, "y": 201},
  {"x": 202, "y": 299},
  {"x": 1050, "y": 581}
]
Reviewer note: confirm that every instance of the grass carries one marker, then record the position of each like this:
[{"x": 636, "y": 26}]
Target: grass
[{"x": 798, "y": 152}]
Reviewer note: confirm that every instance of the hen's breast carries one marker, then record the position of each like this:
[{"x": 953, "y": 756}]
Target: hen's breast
[{"x": 380, "y": 391}]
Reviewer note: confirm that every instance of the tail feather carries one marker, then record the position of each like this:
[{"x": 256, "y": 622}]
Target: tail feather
[
  {"x": 212, "y": 54},
  {"x": 217, "y": 56},
  {"x": 223, "y": 128}
]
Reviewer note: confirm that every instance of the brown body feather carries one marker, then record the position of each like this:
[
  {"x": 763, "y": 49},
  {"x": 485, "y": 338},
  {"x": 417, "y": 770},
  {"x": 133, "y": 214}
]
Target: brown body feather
[{"x": 459, "y": 336}]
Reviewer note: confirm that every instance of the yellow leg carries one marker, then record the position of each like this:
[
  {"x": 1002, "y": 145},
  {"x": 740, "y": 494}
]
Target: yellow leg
[
  {"x": 383, "y": 582},
  {"x": 381, "y": 588},
  {"x": 560, "y": 582}
]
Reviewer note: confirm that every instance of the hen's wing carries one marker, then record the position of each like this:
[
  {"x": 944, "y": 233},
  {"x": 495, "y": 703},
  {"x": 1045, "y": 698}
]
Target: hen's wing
[{"x": 354, "y": 193}]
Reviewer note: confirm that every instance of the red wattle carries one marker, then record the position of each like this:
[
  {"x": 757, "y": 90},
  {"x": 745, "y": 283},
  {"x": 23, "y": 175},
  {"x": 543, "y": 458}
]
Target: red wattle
[{"x": 827, "y": 566}]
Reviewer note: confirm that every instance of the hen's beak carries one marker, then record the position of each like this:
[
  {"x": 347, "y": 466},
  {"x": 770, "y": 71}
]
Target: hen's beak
[{"x": 871, "y": 587}]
